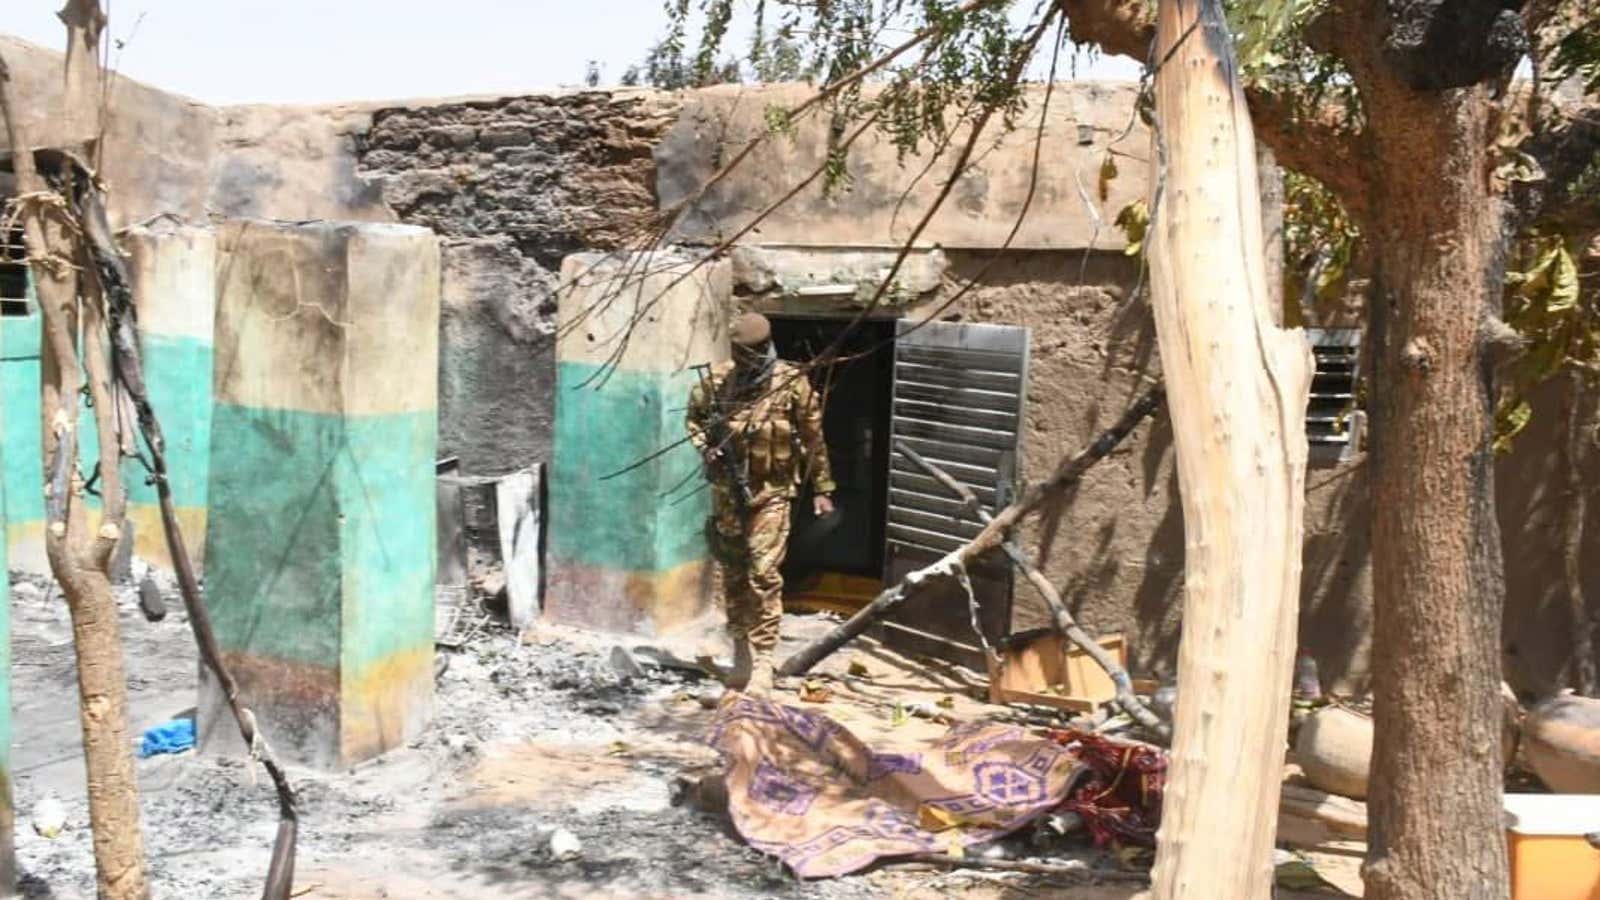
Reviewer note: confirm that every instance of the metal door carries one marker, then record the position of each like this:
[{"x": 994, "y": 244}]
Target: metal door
[{"x": 957, "y": 401}]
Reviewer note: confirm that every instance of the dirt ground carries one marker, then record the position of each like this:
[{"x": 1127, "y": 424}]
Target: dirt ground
[{"x": 530, "y": 735}]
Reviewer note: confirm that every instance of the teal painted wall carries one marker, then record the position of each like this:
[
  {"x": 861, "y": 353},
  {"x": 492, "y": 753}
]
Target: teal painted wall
[
  {"x": 7, "y": 812},
  {"x": 649, "y": 520},
  {"x": 387, "y": 495},
  {"x": 334, "y": 564},
  {"x": 178, "y": 371},
  {"x": 19, "y": 393}
]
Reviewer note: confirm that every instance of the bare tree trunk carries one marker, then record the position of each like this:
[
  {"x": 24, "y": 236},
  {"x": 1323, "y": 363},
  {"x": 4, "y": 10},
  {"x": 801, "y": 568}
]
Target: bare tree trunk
[
  {"x": 1580, "y": 432},
  {"x": 1437, "y": 573},
  {"x": 80, "y": 550},
  {"x": 1237, "y": 387}
]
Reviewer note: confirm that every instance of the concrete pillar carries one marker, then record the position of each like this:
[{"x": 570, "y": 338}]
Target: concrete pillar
[
  {"x": 628, "y": 553},
  {"x": 174, "y": 285},
  {"x": 320, "y": 541}
]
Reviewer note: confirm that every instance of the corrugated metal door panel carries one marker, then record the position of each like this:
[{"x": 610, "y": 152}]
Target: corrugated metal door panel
[{"x": 958, "y": 401}]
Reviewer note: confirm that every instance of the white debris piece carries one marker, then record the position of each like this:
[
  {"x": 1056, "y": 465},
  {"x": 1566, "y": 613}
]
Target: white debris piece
[
  {"x": 49, "y": 816},
  {"x": 565, "y": 845}
]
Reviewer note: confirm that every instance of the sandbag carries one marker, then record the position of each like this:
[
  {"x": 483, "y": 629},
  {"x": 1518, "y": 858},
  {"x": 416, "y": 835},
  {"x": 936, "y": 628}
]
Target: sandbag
[{"x": 1561, "y": 742}]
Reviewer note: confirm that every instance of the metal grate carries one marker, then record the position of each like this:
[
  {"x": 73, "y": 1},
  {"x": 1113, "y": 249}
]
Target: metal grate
[
  {"x": 1333, "y": 421},
  {"x": 13, "y": 274}
]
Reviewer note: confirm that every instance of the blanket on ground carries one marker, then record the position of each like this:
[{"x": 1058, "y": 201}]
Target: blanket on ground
[{"x": 804, "y": 789}]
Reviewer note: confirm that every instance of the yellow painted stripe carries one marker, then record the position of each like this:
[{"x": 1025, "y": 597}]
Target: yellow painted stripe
[
  {"x": 386, "y": 704},
  {"x": 150, "y": 540},
  {"x": 654, "y": 603}
]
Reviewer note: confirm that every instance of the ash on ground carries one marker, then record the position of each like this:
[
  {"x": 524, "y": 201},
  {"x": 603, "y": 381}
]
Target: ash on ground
[{"x": 534, "y": 742}]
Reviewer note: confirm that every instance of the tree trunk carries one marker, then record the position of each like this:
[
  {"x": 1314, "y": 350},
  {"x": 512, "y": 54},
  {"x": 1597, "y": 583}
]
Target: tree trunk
[
  {"x": 80, "y": 550},
  {"x": 1237, "y": 386},
  {"x": 1437, "y": 571},
  {"x": 1579, "y": 433}
]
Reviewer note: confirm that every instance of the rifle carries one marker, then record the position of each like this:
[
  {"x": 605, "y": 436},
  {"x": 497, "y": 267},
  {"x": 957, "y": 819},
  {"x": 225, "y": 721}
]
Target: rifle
[{"x": 720, "y": 437}]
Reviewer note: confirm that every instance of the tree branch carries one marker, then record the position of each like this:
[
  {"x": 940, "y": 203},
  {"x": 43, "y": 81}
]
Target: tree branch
[
  {"x": 1064, "y": 622},
  {"x": 1319, "y": 144},
  {"x": 1068, "y": 471},
  {"x": 1118, "y": 27}
]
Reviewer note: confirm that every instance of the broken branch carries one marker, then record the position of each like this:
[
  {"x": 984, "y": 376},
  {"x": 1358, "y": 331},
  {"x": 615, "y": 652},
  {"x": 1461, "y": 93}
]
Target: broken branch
[{"x": 1067, "y": 473}]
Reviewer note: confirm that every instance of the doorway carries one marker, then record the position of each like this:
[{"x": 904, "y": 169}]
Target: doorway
[{"x": 837, "y": 563}]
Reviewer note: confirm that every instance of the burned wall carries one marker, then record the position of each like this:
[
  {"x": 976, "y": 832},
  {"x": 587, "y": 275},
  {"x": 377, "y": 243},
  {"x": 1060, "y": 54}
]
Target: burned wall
[
  {"x": 158, "y": 146},
  {"x": 513, "y": 185}
]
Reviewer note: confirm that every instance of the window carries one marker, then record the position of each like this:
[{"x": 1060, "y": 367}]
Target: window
[
  {"x": 1334, "y": 420},
  {"x": 13, "y": 275}
]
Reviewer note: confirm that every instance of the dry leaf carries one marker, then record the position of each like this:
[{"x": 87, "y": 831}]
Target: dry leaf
[{"x": 815, "y": 691}]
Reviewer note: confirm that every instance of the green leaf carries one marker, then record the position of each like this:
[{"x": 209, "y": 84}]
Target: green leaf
[{"x": 1563, "y": 281}]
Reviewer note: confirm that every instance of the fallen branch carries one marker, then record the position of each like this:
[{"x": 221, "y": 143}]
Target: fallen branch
[
  {"x": 1064, "y": 622},
  {"x": 1067, "y": 473},
  {"x": 128, "y": 366}
]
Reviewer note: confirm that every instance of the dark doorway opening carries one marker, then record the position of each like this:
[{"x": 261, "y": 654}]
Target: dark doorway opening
[{"x": 857, "y": 390}]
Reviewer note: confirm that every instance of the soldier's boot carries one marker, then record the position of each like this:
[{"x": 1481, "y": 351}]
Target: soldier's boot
[
  {"x": 738, "y": 678},
  {"x": 761, "y": 673}
]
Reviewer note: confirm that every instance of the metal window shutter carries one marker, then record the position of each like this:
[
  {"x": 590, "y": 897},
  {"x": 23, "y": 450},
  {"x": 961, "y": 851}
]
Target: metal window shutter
[
  {"x": 958, "y": 401},
  {"x": 1331, "y": 429}
]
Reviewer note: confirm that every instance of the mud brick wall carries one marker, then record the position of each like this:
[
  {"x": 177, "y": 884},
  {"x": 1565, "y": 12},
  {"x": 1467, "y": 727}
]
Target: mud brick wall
[{"x": 513, "y": 186}]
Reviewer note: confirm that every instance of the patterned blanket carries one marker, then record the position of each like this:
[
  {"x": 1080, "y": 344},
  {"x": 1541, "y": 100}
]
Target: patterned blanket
[{"x": 804, "y": 789}]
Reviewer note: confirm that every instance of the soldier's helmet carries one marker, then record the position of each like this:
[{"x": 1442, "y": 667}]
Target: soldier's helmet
[{"x": 751, "y": 330}]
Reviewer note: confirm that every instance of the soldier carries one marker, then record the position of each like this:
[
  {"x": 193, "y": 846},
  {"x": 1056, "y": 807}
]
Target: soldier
[{"x": 758, "y": 426}]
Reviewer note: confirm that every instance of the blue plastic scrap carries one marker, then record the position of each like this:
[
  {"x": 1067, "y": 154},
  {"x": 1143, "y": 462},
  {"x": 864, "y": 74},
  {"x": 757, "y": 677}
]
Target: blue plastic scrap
[{"x": 175, "y": 736}]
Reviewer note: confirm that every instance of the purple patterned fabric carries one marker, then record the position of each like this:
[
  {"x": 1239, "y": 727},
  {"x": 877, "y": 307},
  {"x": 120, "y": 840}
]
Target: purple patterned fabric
[{"x": 805, "y": 789}]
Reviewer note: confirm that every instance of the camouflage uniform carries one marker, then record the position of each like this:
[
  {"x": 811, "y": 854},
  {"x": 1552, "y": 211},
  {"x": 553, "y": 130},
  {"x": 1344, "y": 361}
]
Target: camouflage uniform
[{"x": 778, "y": 438}]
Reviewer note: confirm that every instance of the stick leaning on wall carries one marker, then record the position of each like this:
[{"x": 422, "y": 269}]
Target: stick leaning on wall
[
  {"x": 1068, "y": 471},
  {"x": 1059, "y": 616},
  {"x": 128, "y": 367}
]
